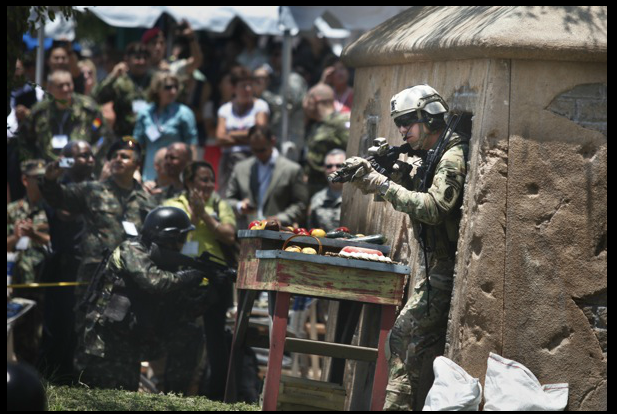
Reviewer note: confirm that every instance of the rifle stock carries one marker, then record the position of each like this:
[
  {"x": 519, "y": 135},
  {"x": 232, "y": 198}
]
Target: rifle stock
[{"x": 204, "y": 263}]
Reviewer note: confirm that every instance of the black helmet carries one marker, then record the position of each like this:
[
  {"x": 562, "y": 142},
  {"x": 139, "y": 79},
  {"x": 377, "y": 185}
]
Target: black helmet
[
  {"x": 24, "y": 390},
  {"x": 167, "y": 226}
]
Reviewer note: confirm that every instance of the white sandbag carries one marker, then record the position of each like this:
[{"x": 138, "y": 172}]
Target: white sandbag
[
  {"x": 453, "y": 389},
  {"x": 510, "y": 386}
]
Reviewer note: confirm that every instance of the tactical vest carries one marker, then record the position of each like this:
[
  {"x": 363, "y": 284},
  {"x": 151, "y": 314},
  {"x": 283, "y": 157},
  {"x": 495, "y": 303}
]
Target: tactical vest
[{"x": 442, "y": 239}]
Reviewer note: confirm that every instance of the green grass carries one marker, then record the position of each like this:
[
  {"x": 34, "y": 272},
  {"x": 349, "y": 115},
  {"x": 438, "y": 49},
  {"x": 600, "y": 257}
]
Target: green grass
[{"x": 81, "y": 398}]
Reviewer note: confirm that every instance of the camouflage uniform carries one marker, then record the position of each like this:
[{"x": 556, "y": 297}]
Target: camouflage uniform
[
  {"x": 135, "y": 312},
  {"x": 83, "y": 121},
  {"x": 324, "y": 136},
  {"x": 28, "y": 261},
  {"x": 325, "y": 210},
  {"x": 123, "y": 91},
  {"x": 104, "y": 206},
  {"x": 415, "y": 329}
]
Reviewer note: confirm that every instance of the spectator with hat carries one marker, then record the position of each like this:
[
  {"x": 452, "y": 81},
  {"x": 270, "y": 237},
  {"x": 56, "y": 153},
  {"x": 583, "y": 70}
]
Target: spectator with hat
[
  {"x": 27, "y": 232},
  {"x": 154, "y": 40},
  {"x": 113, "y": 210}
]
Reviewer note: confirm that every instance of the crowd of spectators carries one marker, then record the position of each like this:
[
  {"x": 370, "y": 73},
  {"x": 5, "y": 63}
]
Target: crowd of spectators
[{"x": 199, "y": 129}]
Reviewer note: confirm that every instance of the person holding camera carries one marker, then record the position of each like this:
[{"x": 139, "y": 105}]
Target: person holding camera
[
  {"x": 66, "y": 230},
  {"x": 113, "y": 210}
]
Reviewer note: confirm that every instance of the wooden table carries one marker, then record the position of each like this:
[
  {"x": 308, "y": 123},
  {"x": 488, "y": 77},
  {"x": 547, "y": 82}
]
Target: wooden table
[{"x": 287, "y": 273}]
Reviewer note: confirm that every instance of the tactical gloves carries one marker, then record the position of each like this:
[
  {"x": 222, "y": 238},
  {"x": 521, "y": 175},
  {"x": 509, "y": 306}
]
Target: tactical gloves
[
  {"x": 366, "y": 179},
  {"x": 191, "y": 277}
]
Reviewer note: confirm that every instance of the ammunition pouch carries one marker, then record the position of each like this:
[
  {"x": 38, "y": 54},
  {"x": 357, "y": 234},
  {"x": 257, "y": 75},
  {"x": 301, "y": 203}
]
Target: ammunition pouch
[{"x": 117, "y": 308}]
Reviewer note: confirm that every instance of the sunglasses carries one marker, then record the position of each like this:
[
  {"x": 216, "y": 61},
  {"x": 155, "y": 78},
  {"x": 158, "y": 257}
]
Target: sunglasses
[
  {"x": 407, "y": 119},
  {"x": 328, "y": 166},
  {"x": 170, "y": 87}
]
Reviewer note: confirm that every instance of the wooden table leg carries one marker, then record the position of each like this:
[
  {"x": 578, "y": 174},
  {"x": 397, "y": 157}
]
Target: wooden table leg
[
  {"x": 381, "y": 370},
  {"x": 277, "y": 346},
  {"x": 245, "y": 306}
]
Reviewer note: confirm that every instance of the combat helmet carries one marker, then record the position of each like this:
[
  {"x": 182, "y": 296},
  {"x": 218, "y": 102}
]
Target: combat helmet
[
  {"x": 167, "y": 226},
  {"x": 420, "y": 103}
]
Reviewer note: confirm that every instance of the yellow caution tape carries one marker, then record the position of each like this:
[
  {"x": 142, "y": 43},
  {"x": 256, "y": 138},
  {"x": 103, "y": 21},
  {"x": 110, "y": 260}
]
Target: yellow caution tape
[
  {"x": 204, "y": 282},
  {"x": 44, "y": 285}
]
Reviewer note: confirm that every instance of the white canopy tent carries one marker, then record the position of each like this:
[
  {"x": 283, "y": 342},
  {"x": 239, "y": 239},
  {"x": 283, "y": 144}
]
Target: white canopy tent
[{"x": 263, "y": 20}]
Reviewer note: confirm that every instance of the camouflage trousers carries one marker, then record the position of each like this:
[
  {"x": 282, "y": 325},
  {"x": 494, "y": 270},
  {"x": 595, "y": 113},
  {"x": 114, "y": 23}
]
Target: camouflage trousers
[
  {"x": 120, "y": 364},
  {"x": 414, "y": 332}
]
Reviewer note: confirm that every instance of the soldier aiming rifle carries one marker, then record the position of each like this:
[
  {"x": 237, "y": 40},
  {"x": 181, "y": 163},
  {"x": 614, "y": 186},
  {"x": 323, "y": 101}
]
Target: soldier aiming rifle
[
  {"x": 432, "y": 198},
  {"x": 142, "y": 303}
]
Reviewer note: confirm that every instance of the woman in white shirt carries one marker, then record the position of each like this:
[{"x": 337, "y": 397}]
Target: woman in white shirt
[{"x": 234, "y": 120}]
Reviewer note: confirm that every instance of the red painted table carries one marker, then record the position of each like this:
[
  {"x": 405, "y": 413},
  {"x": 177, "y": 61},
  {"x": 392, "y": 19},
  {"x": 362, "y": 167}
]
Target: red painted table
[{"x": 287, "y": 273}]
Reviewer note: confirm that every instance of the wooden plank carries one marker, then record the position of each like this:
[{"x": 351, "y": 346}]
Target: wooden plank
[
  {"x": 245, "y": 305},
  {"x": 380, "y": 381},
  {"x": 333, "y": 261},
  {"x": 299, "y": 394},
  {"x": 303, "y": 277},
  {"x": 275, "y": 358},
  {"x": 311, "y": 385},
  {"x": 333, "y": 245},
  {"x": 330, "y": 349}
]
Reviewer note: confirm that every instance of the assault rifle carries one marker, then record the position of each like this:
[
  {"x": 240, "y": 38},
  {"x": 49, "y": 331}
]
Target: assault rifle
[
  {"x": 214, "y": 271},
  {"x": 382, "y": 158}
]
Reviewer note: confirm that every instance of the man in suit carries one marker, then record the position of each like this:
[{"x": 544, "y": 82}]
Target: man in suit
[{"x": 267, "y": 185}]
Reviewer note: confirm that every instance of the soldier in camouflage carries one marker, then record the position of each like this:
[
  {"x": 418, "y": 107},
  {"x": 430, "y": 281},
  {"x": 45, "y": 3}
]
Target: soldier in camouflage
[
  {"x": 27, "y": 229},
  {"x": 328, "y": 131},
  {"x": 134, "y": 310},
  {"x": 27, "y": 232},
  {"x": 126, "y": 86},
  {"x": 434, "y": 209},
  {"x": 66, "y": 116},
  {"x": 113, "y": 210}
]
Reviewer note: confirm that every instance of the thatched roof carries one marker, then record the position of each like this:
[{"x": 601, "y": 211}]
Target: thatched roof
[{"x": 565, "y": 33}]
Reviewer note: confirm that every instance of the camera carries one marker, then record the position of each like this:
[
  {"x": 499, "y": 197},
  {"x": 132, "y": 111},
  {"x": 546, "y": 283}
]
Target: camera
[{"x": 67, "y": 162}]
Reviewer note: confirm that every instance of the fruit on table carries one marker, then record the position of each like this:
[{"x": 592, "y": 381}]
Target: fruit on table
[
  {"x": 338, "y": 235},
  {"x": 353, "y": 249},
  {"x": 254, "y": 223},
  {"x": 373, "y": 239},
  {"x": 318, "y": 232},
  {"x": 309, "y": 250},
  {"x": 295, "y": 249},
  {"x": 353, "y": 252},
  {"x": 258, "y": 225},
  {"x": 343, "y": 229},
  {"x": 272, "y": 225}
]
